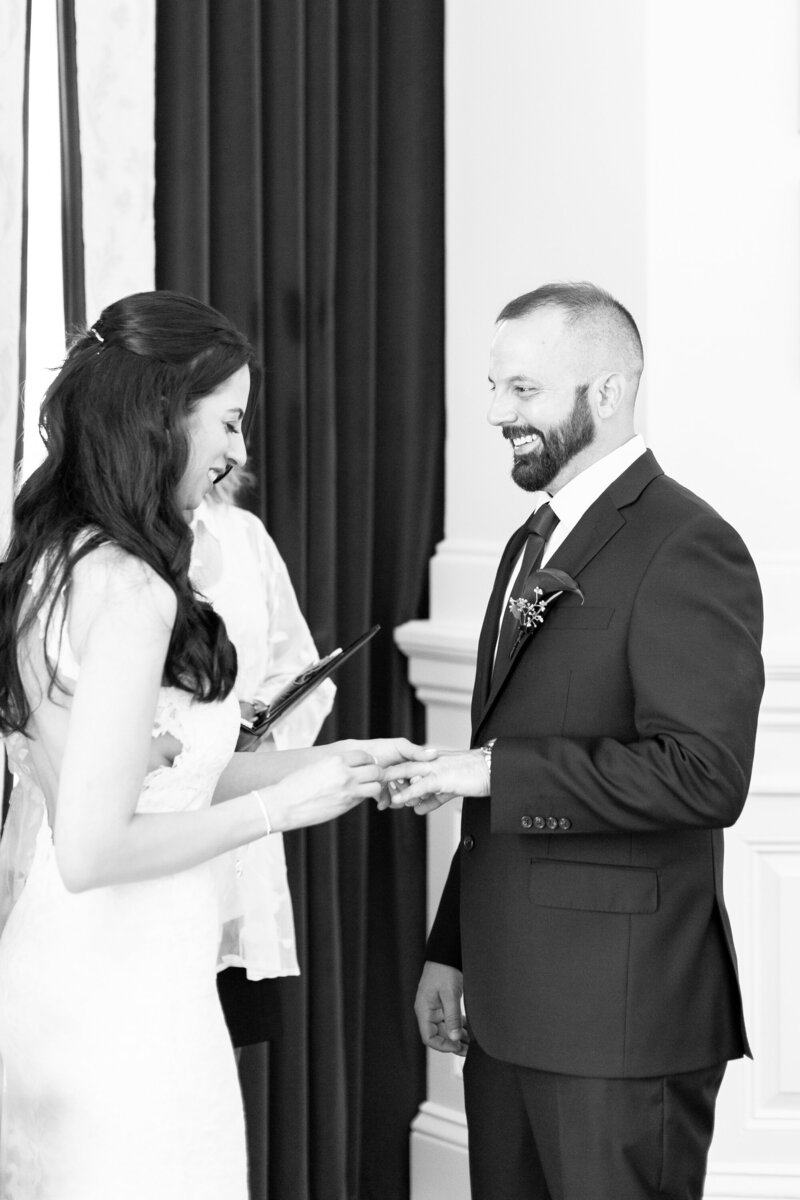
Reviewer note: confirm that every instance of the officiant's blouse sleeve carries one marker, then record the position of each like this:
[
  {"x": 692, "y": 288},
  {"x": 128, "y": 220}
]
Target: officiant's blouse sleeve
[
  {"x": 254, "y": 596},
  {"x": 291, "y": 649},
  {"x": 257, "y": 601}
]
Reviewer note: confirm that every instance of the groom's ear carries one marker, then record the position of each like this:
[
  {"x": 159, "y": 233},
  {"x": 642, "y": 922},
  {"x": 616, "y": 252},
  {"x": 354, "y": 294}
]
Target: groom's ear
[{"x": 609, "y": 392}]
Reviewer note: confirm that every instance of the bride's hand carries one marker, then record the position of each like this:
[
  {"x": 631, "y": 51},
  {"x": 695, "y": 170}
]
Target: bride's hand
[
  {"x": 323, "y": 791},
  {"x": 389, "y": 751}
]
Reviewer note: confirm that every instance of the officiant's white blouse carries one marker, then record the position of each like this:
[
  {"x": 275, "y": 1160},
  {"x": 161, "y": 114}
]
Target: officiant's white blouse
[
  {"x": 237, "y": 567},
  {"x": 252, "y": 592}
]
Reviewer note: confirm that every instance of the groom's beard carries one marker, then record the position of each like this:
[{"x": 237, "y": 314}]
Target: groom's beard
[{"x": 536, "y": 470}]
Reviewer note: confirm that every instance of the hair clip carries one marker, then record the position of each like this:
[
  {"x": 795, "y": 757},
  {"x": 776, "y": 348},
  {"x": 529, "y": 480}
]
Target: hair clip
[{"x": 94, "y": 333}]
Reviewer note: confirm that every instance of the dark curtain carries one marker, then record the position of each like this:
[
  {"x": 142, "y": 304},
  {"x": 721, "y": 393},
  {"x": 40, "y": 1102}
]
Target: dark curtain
[
  {"x": 299, "y": 188},
  {"x": 71, "y": 174},
  {"x": 22, "y": 347}
]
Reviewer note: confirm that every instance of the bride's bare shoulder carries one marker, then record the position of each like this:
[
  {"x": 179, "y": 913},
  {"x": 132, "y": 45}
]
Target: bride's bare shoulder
[{"x": 110, "y": 582}]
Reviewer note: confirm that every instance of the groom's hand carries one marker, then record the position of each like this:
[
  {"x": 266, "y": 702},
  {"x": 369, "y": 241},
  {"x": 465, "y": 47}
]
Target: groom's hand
[
  {"x": 438, "y": 1007},
  {"x": 431, "y": 784}
]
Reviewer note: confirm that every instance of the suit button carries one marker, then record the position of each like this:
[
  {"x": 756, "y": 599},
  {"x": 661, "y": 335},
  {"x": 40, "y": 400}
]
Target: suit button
[
  {"x": 538, "y": 822},
  {"x": 526, "y": 822},
  {"x": 468, "y": 842},
  {"x": 552, "y": 823},
  {"x": 565, "y": 824}
]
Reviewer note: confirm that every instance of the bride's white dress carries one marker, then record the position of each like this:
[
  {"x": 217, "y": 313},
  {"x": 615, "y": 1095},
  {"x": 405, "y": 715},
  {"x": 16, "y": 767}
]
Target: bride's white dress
[{"x": 120, "y": 1080}]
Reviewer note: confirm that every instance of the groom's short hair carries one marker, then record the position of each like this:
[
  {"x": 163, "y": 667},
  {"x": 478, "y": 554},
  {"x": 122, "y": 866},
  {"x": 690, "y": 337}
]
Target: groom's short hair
[{"x": 600, "y": 315}]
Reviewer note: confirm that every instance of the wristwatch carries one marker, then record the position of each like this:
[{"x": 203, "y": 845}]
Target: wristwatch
[{"x": 486, "y": 751}]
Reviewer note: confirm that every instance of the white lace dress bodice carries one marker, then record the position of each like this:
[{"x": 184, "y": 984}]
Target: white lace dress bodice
[{"x": 120, "y": 1079}]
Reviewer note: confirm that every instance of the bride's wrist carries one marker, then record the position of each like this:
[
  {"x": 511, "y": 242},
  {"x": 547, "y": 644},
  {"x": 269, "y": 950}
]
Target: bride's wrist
[
  {"x": 271, "y": 810},
  {"x": 343, "y": 745}
]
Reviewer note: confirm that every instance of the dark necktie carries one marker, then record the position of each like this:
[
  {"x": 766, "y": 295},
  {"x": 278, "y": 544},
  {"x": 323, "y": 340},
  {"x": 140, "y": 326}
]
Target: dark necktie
[{"x": 539, "y": 526}]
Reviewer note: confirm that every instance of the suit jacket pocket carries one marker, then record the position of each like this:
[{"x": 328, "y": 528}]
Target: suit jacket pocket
[
  {"x": 576, "y": 616},
  {"x": 593, "y": 887}
]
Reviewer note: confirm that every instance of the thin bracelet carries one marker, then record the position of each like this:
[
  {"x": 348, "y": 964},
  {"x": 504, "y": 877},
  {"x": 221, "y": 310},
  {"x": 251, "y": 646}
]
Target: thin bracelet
[{"x": 263, "y": 808}]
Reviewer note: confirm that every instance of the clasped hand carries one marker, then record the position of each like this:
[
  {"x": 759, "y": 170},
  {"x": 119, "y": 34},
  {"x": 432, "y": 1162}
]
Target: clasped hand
[
  {"x": 445, "y": 775},
  {"x": 350, "y": 772},
  {"x": 393, "y": 755}
]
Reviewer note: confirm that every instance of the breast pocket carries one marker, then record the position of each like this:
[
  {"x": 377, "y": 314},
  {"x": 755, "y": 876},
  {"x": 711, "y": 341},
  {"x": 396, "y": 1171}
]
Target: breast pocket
[
  {"x": 593, "y": 887},
  {"x": 574, "y": 616}
]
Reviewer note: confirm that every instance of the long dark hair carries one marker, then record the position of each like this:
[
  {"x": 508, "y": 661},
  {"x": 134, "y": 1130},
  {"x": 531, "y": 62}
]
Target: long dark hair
[{"x": 114, "y": 424}]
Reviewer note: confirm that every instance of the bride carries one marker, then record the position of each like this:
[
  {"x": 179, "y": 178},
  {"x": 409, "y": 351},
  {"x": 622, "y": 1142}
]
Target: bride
[{"x": 120, "y": 723}]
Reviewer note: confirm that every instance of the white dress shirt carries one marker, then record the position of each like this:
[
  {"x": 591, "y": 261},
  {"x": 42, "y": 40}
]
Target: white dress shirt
[{"x": 577, "y": 497}]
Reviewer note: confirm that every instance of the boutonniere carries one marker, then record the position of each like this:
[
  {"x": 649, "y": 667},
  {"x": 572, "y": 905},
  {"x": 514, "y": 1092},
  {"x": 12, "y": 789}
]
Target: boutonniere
[{"x": 542, "y": 587}]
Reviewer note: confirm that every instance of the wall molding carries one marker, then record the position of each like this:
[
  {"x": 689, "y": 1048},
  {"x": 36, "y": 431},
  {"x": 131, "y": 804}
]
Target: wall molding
[
  {"x": 439, "y": 1155},
  {"x": 444, "y": 1124},
  {"x": 441, "y": 653},
  {"x": 732, "y": 1181},
  {"x": 773, "y": 887},
  {"x": 462, "y": 573}
]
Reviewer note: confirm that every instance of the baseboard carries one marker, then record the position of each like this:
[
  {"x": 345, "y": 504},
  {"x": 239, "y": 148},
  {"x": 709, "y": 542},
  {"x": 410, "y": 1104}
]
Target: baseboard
[
  {"x": 755, "y": 1181},
  {"x": 439, "y": 1162}
]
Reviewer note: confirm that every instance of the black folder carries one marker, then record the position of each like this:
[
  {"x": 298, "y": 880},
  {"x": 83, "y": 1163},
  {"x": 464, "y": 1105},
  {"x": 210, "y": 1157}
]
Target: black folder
[{"x": 251, "y": 731}]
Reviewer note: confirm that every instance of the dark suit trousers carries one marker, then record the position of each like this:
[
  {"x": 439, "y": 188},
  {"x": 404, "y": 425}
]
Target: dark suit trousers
[{"x": 539, "y": 1136}]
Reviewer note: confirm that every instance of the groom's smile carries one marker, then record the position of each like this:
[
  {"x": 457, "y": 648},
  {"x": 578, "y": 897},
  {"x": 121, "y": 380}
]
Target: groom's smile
[{"x": 523, "y": 439}]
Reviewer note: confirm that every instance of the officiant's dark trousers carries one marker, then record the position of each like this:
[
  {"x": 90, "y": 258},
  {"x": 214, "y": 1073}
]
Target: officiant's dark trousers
[{"x": 538, "y": 1136}]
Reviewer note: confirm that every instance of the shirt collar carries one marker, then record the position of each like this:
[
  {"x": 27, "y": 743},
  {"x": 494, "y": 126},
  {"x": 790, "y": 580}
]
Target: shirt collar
[
  {"x": 576, "y": 497},
  {"x": 208, "y": 514}
]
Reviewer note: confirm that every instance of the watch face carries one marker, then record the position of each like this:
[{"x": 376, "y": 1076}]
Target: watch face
[{"x": 486, "y": 751}]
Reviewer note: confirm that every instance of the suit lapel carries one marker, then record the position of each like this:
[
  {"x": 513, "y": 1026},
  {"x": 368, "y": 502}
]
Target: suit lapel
[
  {"x": 588, "y": 537},
  {"x": 596, "y": 527}
]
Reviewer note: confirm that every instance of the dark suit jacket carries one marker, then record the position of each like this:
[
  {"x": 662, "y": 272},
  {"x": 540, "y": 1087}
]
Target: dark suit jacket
[{"x": 585, "y": 902}]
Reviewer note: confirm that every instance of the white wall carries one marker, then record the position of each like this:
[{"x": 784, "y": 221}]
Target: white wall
[
  {"x": 723, "y": 272},
  {"x": 653, "y": 148},
  {"x": 545, "y": 180}
]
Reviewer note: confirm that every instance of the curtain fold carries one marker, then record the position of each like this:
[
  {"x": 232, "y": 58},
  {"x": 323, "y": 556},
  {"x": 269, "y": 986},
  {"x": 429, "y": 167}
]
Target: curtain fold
[
  {"x": 299, "y": 188},
  {"x": 71, "y": 174}
]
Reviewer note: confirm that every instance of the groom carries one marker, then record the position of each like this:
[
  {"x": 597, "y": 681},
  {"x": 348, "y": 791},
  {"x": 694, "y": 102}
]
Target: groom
[{"x": 614, "y": 720}]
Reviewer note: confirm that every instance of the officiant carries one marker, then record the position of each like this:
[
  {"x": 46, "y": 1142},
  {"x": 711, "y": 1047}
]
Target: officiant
[{"x": 237, "y": 566}]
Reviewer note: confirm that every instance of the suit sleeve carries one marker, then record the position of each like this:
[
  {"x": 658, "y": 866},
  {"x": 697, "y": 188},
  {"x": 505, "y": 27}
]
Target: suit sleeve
[
  {"x": 696, "y": 679},
  {"x": 444, "y": 940}
]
